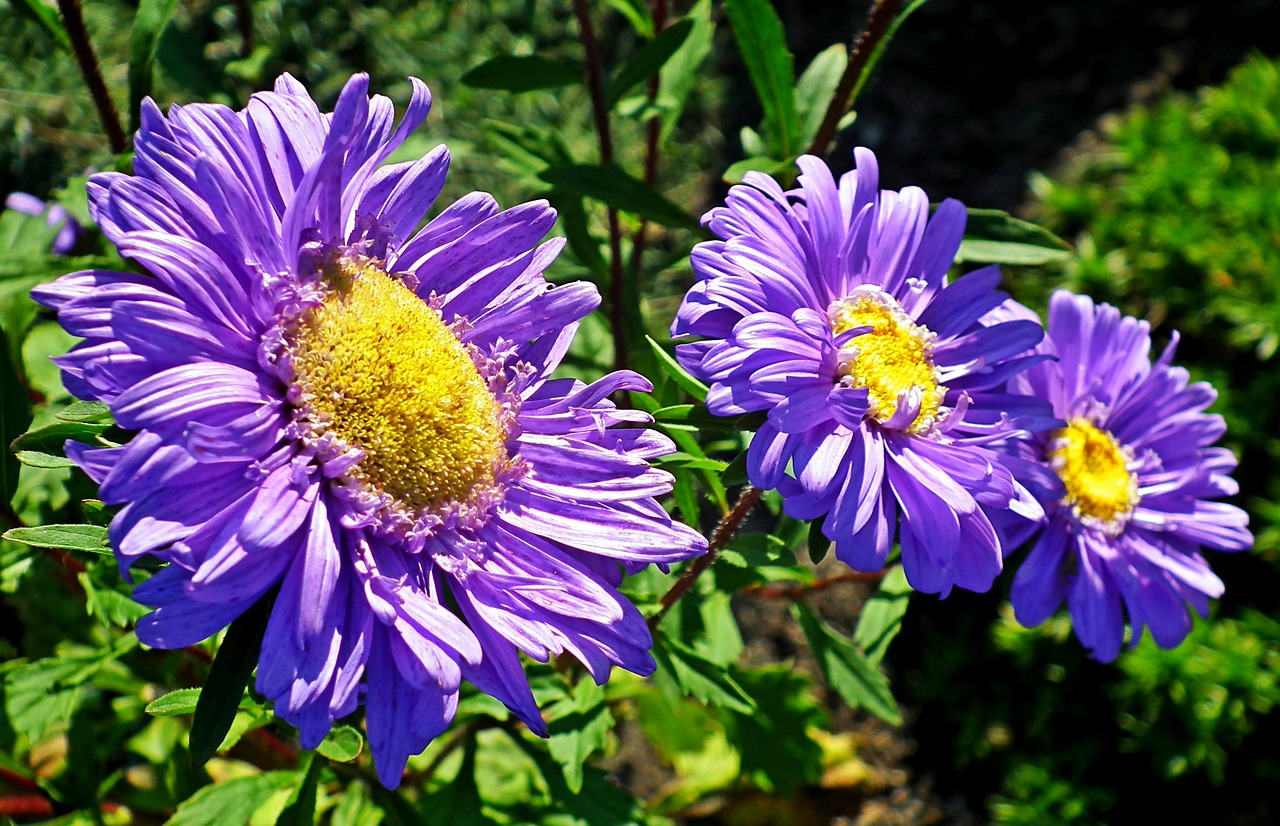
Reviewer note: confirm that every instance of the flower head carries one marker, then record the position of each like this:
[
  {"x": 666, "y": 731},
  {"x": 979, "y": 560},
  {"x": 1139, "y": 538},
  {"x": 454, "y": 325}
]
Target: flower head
[
  {"x": 1127, "y": 481},
  {"x": 357, "y": 413},
  {"x": 829, "y": 307}
]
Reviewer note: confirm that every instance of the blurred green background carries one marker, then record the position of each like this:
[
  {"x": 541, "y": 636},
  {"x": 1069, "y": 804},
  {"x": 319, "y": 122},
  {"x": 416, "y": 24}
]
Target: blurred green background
[{"x": 1127, "y": 132}]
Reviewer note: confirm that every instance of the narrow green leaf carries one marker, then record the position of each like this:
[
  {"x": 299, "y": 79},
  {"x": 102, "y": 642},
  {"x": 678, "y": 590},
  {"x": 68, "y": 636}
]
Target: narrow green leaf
[
  {"x": 232, "y": 667},
  {"x": 612, "y": 185},
  {"x": 693, "y": 675},
  {"x": 995, "y": 237},
  {"x": 819, "y": 545},
  {"x": 231, "y": 801},
  {"x": 676, "y": 371},
  {"x": 648, "y": 61},
  {"x": 678, "y": 77},
  {"x": 301, "y": 808},
  {"x": 182, "y": 701},
  {"x": 35, "y": 458},
  {"x": 816, "y": 87},
  {"x": 763, "y": 46},
  {"x": 522, "y": 74},
  {"x": 52, "y": 437},
  {"x": 48, "y": 19},
  {"x": 637, "y": 14},
  {"x": 90, "y": 412},
  {"x": 342, "y": 745},
  {"x": 584, "y": 245},
  {"x": 772, "y": 167},
  {"x": 91, "y": 538},
  {"x": 846, "y": 668},
  {"x": 15, "y": 417},
  {"x": 148, "y": 24},
  {"x": 881, "y": 616}
]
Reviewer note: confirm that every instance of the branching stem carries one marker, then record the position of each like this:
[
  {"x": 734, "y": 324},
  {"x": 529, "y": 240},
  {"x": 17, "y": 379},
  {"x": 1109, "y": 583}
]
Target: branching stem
[{"x": 719, "y": 539}]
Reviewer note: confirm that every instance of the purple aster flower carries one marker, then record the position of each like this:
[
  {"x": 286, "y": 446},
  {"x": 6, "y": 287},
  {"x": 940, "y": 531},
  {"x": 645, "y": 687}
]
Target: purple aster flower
[
  {"x": 54, "y": 216},
  {"x": 336, "y": 404},
  {"x": 1126, "y": 480},
  {"x": 829, "y": 307}
]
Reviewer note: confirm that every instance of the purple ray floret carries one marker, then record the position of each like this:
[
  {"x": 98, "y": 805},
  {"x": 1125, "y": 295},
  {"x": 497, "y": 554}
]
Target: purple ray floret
[
  {"x": 1128, "y": 485},
  {"x": 829, "y": 307},
  {"x": 356, "y": 413}
]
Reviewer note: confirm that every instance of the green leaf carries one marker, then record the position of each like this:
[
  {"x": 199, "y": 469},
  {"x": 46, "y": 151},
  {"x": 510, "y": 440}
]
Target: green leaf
[
  {"x": 51, "y": 438},
  {"x": 612, "y": 185},
  {"x": 774, "y": 744},
  {"x": 648, "y": 61},
  {"x": 15, "y": 417},
  {"x": 232, "y": 667},
  {"x": 847, "y": 668},
  {"x": 763, "y": 46},
  {"x": 108, "y": 604},
  {"x": 881, "y": 616},
  {"x": 637, "y": 14},
  {"x": 91, "y": 538},
  {"x": 34, "y": 458},
  {"x": 819, "y": 545},
  {"x": 676, "y": 371},
  {"x": 693, "y": 675},
  {"x": 772, "y": 167},
  {"x": 48, "y": 19},
  {"x": 522, "y": 74},
  {"x": 995, "y": 237},
  {"x": 679, "y": 76},
  {"x": 579, "y": 727},
  {"x": 89, "y": 412},
  {"x": 816, "y": 87},
  {"x": 342, "y": 744},
  {"x": 301, "y": 808},
  {"x": 182, "y": 701},
  {"x": 584, "y": 246},
  {"x": 144, "y": 38},
  {"x": 458, "y": 801},
  {"x": 231, "y": 801}
]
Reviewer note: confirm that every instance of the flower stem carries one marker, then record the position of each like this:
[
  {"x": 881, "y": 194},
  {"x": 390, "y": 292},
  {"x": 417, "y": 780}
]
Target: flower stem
[
  {"x": 878, "y": 24},
  {"x": 653, "y": 131},
  {"x": 795, "y": 592},
  {"x": 600, "y": 113},
  {"x": 719, "y": 539},
  {"x": 79, "y": 35}
]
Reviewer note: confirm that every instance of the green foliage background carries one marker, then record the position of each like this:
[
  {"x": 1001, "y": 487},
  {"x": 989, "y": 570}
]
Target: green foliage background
[{"x": 765, "y": 706}]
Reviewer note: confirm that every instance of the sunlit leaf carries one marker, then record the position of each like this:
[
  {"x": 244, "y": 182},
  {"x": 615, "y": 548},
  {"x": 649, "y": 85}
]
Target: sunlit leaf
[{"x": 763, "y": 46}]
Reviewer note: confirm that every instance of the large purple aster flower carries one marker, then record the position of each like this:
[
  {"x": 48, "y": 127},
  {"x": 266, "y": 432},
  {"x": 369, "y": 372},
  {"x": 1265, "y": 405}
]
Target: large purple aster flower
[
  {"x": 357, "y": 412},
  {"x": 1126, "y": 484},
  {"x": 829, "y": 307}
]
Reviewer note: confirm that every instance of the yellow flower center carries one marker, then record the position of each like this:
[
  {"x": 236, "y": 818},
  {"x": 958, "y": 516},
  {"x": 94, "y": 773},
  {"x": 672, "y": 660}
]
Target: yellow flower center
[
  {"x": 894, "y": 357},
  {"x": 1094, "y": 468},
  {"x": 380, "y": 370}
]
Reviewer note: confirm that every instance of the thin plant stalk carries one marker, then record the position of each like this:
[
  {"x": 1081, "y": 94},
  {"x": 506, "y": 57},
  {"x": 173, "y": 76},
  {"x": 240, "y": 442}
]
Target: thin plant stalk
[
  {"x": 600, "y": 114},
  {"x": 73, "y": 19},
  {"x": 879, "y": 23}
]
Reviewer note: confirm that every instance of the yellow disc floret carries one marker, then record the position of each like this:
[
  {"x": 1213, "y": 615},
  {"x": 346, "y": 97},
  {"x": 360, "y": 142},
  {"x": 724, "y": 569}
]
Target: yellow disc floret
[
  {"x": 380, "y": 370},
  {"x": 894, "y": 357},
  {"x": 1094, "y": 468}
]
